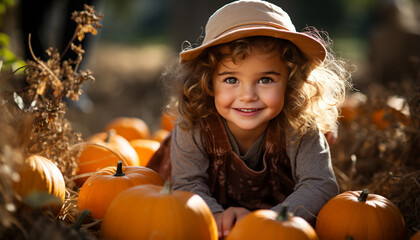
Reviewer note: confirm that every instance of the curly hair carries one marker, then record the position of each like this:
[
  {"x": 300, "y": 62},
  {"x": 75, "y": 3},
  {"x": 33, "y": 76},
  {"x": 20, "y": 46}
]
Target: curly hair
[{"x": 314, "y": 90}]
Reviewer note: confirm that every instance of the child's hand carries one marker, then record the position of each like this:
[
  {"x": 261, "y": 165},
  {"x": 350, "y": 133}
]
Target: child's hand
[{"x": 226, "y": 219}]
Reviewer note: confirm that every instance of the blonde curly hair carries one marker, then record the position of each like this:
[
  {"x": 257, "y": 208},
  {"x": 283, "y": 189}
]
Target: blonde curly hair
[{"x": 313, "y": 95}]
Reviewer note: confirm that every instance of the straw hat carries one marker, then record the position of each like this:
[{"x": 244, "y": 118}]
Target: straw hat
[{"x": 246, "y": 18}]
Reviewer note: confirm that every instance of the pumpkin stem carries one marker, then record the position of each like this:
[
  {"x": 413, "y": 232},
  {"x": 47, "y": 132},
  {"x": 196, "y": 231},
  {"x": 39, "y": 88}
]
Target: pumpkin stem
[
  {"x": 80, "y": 219},
  {"x": 283, "y": 214},
  {"x": 119, "y": 172},
  {"x": 363, "y": 196},
  {"x": 166, "y": 188},
  {"x": 109, "y": 134}
]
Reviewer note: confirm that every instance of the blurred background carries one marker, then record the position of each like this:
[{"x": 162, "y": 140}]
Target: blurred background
[{"x": 380, "y": 38}]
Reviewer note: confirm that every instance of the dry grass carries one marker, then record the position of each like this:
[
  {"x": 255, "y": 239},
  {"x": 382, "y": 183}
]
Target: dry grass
[{"x": 379, "y": 150}]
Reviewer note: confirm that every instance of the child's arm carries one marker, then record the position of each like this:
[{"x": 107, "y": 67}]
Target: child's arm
[
  {"x": 189, "y": 165},
  {"x": 312, "y": 170}
]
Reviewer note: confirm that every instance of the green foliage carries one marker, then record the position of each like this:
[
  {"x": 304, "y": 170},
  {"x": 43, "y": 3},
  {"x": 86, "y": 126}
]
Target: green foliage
[
  {"x": 4, "y": 4},
  {"x": 10, "y": 61},
  {"x": 7, "y": 57}
]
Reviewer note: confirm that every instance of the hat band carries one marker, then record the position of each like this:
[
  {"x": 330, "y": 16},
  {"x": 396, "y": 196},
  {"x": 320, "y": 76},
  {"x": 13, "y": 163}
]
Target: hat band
[{"x": 248, "y": 25}]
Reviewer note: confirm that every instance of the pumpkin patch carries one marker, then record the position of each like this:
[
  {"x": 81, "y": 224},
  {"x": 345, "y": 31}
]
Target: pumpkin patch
[{"x": 42, "y": 159}]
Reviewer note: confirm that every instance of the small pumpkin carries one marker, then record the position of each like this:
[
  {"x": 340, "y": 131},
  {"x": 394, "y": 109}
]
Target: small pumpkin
[
  {"x": 155, "y": 212},
  {"x": 145, "y": 148},
  {"x": 100, "y": 189},
  {"x": 360, "y": 215},
  {"x": 129, "y": 127},
  {"x": 102, "y": 150},
  {"x": 167, "y": 121},
  {"x": 352, "y": 107},
  {"x": 39, "y": 174},
  {"x": 268, "y": 224},
  {"x": 160, "y": 134}
]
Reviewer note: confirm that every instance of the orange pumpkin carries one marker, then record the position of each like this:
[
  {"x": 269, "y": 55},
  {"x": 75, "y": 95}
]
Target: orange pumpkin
[
  {"x": 155, "y": 212},
  {"x": 39, "y": 174},
  {"x": 100, "y": 189},
  {"x": 145, "y": 149},
  {"x": 160, "y": 134},
  {"x": 129, "y": 127},
  {"x": 360, "y": 215},
  {"x": 104, "y": 150},
  {"x": 268, "y": 224},
  {"x": 167, "y": 121},
  {"x": 352, "y": 107}
]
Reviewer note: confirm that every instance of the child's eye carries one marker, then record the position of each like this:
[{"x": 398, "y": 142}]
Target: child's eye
[
  {"x": 231, "y": 80},
  {"x": 265, "y": 80}
]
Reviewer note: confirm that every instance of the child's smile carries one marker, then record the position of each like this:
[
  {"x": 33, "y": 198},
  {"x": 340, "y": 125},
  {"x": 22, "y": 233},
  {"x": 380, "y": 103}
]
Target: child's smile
[{"x": 249, "y": 93}]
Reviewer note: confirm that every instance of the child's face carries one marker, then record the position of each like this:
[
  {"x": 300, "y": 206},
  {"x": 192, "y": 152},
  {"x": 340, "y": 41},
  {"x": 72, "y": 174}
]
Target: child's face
[{"x": 249, "y": 93}]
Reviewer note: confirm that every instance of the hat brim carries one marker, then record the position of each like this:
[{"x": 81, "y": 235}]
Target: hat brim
[{"x": 309, "y": 46}]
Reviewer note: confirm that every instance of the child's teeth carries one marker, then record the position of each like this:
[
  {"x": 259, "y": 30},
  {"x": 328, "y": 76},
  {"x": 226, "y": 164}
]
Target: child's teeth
[{"x": 247, "y": 110}]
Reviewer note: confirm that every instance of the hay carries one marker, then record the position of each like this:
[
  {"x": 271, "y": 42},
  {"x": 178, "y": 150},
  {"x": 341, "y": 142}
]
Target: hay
[{"x": 379, "y": 149}]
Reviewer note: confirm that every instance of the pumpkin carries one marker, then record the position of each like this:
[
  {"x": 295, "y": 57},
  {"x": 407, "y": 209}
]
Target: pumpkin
[
  {"x": 103, "y": 150},
  {"x": 129, "y": 127},
  {"x": 100, "y": 189},
  {"x": 145, "y": 148},
  {"x": 39, "y": 174},
  {"x": 379, "y": 118},
  {"x": 268, "y": 224},
  {"x": 360, "y": 215},
  {"x": 167, "y": 121},
  {"x": 155, "y": 212},
  {"x": 352, "y": 107},
  {"x": 160, "y": 134}
]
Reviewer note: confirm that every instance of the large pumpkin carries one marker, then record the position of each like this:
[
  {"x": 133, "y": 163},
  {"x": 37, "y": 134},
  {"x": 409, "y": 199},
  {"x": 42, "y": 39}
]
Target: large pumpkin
[
  {"x": 129, "y": 127},
  {"x": 39, "y": 174},
  {"x": 268, "y": 224},
  {"x": 105, "y": 149},
  {"x": 360, "y": 215},
  {"x": 155, "y": 212},
  {"x": 100, "y": 189}
]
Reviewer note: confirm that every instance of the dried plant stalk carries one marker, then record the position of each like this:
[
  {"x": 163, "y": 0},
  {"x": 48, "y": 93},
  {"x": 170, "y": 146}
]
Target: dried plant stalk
[
  {"x": 49, "y": 83},
  {"x": 32, "y": 121}
]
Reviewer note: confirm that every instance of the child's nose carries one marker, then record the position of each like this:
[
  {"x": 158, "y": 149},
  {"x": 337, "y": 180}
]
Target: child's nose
[{"x": 248, "y": 93}]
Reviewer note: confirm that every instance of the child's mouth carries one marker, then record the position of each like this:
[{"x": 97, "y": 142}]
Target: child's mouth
[{"x": 247, "y": 110}]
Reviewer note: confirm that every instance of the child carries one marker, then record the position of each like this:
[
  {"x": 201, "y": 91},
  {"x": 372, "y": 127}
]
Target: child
[{"x": 253, "y": 101}]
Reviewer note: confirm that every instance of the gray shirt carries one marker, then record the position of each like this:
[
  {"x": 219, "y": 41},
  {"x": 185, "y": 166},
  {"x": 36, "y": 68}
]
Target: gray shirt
[{"x": 310, "y": 158}]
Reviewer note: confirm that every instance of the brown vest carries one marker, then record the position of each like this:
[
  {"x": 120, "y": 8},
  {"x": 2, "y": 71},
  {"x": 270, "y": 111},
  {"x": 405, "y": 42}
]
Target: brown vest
[{"x": 231, "y": 182}]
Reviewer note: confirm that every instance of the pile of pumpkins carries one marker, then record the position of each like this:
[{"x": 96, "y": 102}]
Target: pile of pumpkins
[{"x": 134, "y": 202}]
